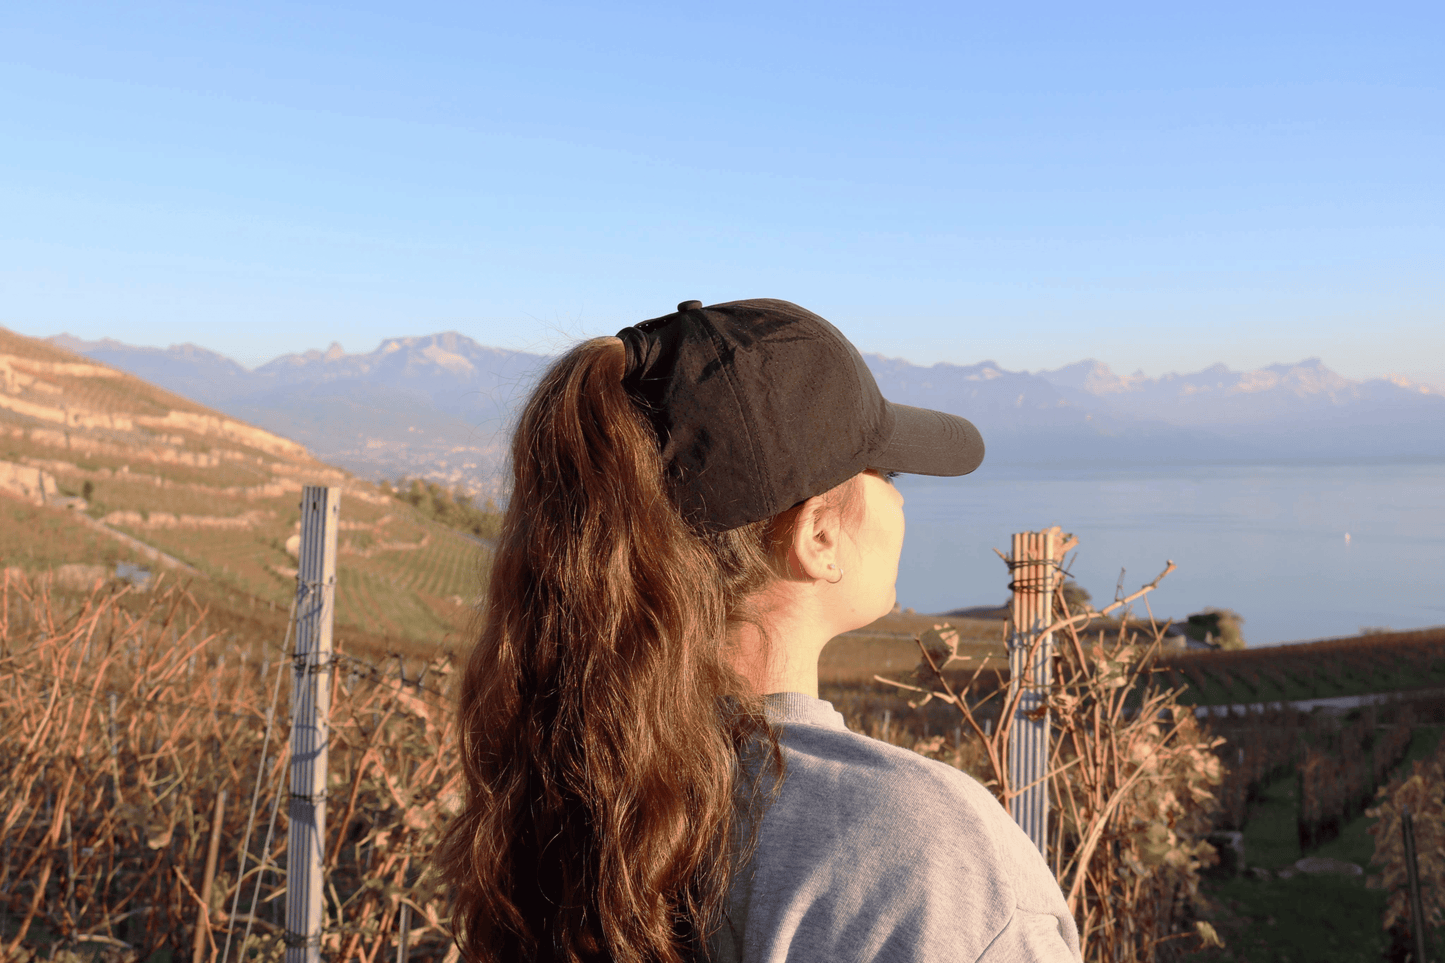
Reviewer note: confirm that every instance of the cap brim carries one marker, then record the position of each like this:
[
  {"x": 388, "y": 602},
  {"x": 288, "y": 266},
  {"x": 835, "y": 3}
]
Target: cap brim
[{"x": 927, "y": 442}]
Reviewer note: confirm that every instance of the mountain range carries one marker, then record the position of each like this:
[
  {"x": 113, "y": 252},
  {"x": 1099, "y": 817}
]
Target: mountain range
[{"x": 439, "y": 405}]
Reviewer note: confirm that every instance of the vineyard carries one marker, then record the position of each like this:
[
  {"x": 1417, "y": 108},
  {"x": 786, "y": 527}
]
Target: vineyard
[
  {"x": 1383, "y": 662},
  {"x": 1337, "y": 782},
  {"x": 1338, "y": 764}
]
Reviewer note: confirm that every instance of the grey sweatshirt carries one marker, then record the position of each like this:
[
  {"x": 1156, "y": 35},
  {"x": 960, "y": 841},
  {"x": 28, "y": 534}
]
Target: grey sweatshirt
[{"x": 875, "y": 854}]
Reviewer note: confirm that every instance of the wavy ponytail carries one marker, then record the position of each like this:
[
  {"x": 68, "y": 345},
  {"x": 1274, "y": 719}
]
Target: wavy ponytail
[{"x": 603, "y": 723}]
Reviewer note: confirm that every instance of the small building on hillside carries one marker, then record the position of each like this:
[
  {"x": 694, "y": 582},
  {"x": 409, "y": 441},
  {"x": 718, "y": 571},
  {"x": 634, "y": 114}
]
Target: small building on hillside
[{"x": 1178, "y": 638}]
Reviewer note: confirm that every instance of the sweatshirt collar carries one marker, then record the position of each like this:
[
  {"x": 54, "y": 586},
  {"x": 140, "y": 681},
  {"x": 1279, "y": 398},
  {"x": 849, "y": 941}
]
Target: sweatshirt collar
[{"x": 800, "y": 709}]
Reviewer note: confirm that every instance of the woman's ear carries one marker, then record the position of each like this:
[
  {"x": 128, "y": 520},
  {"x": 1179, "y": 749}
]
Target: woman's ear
[{"x": 814, "y": 543}]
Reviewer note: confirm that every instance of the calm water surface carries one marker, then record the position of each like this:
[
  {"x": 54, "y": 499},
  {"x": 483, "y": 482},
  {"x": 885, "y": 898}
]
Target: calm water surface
[{"x": 1268, "y": 542}]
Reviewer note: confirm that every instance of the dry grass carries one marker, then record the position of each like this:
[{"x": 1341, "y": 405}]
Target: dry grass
[
  {"x": 104, "y": 819},
  {"x": 113, "y": 845}
]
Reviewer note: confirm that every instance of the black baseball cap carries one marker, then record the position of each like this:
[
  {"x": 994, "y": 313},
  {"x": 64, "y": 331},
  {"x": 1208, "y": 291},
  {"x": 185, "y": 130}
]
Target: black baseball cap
[{"x": 759, "y": 405}]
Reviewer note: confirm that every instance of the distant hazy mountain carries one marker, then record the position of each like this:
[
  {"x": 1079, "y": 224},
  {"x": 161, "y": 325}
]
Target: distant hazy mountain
[
  {"x": 1302, "y": 410},
  {"x": 1027, "y": 420},
  {"x": 440, "y": 405},
  {"x": 187, "y": 369},
  {"x": 435, "y": 406},
  {"x": 1218, "y": 396},
  {"x": 454, "y": 373}
]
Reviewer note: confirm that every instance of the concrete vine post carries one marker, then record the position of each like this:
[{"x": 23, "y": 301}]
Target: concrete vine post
[
  {"x": 1034, "y": 563},
  {"x": 310, "y": 732}
]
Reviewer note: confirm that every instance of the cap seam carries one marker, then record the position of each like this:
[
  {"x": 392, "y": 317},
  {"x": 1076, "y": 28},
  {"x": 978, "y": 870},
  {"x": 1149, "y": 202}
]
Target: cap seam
[{"x": 715, "y": 339}]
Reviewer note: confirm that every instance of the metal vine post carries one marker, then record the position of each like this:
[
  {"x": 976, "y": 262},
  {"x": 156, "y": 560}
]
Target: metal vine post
[{"x": 310, "y": 727}]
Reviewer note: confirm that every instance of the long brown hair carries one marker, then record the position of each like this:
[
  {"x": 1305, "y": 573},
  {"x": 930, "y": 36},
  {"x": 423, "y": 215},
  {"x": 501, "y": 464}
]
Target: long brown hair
[{"x": 603, "y": 723}]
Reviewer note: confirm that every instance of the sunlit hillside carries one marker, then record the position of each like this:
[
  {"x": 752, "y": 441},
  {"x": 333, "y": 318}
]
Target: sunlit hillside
[{"x": 99, "y": 468}]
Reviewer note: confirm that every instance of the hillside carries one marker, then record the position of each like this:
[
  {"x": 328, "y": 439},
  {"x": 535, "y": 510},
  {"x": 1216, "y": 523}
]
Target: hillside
[{"x": 98, "y": 467}]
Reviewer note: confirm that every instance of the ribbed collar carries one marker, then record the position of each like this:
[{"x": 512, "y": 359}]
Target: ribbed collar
[{"x": 795, "y": 707}]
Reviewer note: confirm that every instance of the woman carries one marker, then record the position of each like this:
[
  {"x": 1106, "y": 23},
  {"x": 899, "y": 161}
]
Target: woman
[{"x": 698, "y": 505}]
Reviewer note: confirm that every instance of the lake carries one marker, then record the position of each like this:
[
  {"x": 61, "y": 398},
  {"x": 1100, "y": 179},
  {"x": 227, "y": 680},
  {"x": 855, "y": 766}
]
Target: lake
[{"x": 1301, "y": 551}]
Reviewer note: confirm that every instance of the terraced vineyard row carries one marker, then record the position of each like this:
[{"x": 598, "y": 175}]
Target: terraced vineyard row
[
  {"x": 427, "y": 588},
  {"x": 1386, "y": 662}
]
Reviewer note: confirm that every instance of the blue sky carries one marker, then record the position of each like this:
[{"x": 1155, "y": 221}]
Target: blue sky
[{"x": 1160, "y": 186}]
